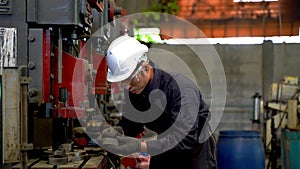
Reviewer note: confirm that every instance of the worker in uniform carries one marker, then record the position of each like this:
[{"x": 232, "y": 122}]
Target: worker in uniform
[{"x": 168, "y": 104}]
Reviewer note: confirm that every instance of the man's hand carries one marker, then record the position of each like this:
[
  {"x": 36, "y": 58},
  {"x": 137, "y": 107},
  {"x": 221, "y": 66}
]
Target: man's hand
[
  {"x": 108, "y": 136},
  {"x": 127, "y": 146},
  {"x": 112, "y": 132}
]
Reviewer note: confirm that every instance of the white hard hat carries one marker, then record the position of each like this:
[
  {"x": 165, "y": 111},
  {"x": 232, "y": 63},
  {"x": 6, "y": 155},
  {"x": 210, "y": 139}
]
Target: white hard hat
[{"x": 123, "y": 55}]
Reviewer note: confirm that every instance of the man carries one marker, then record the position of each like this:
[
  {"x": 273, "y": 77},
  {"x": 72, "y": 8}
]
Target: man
[{"x": 167, "y": 103}]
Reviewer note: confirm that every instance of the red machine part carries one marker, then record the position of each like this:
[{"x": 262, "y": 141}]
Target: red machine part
[
  {"x": 68, "y": 112},
  {"x": 74, "y": 80},
  {"x": 111, "y": 10},
  {"x": 98, "y": 5},
  {"x": 138, "y": 161},
  {"x": 81, "y": 141},
  {"x": 114, "y": 10},
  {"x": 100, "y": 83},
  {"x": 46, "y": 66}
]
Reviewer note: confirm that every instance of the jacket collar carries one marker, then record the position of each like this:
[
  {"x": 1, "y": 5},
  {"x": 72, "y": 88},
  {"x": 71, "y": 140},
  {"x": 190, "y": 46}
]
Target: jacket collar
[{"x": 154, "y": 83}]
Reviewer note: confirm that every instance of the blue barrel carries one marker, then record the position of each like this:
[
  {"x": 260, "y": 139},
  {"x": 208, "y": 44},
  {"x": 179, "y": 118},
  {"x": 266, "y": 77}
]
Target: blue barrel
[{"x": 238, "y": 149}]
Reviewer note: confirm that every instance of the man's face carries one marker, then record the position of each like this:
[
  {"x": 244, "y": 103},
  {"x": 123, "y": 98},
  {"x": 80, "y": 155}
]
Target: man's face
[{"x": 137, "y": 81}]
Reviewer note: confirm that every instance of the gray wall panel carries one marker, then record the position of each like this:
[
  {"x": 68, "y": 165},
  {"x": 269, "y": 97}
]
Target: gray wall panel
[{"x": 247, "y": 68}]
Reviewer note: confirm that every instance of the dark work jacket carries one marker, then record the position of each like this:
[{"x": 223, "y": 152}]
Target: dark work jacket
[{"x": 172, "y": 106}]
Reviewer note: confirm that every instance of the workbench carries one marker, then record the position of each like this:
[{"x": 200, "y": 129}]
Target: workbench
[{"x": 95, "y": 162}]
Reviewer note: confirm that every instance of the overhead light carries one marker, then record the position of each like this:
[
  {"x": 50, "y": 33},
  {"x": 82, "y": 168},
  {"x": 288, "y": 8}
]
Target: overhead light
[
  {"x": 253, "y": 0},
  {"x": 148, "y": 35},
  {"x": 235, "y": 40}
]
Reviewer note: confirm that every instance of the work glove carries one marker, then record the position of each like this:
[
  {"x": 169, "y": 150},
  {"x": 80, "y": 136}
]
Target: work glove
[
  {"x": 112, "y": 132},
  {"x": 109, "y": 135},
  {"x": 127, "y": 146}
]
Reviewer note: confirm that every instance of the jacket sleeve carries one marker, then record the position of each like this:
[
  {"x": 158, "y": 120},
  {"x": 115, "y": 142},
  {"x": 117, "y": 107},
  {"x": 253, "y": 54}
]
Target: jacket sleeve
[
  {"x": 184, "y": 133},
  {"x": 131, "y": 128}
]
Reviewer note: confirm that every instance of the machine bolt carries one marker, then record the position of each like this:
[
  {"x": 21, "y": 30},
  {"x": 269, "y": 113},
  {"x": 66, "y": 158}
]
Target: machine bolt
[
  {"x": 51, "y": 97},
  {"x": 32, "y": 93},
  {"x": 52, "y": 76},
  {"x": 31, "y": 65},
  {"x": 31, "y": 38}
]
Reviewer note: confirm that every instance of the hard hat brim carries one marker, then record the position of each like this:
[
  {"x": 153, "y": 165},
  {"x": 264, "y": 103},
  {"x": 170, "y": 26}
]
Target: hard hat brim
[
  {"x": 123, "y": 55},
  {"x": 118, "y": 78}
]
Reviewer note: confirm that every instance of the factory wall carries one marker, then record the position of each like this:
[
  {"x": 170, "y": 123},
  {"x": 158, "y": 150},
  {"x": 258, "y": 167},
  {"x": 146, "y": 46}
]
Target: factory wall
[{"x": 248, "y": 69}]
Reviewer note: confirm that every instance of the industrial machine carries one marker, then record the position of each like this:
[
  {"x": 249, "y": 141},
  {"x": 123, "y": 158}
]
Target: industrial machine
[
  {"x": 282, "y": 123},
  {"x": 52, "y": 83}
]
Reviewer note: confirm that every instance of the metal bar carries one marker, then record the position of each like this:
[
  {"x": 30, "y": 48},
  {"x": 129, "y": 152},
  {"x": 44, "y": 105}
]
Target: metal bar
[
  {"x": 24, "y": 116},
  {"x": 59, "y": 67},
  {"x": 1, "y": 120},
  {"x": 292, "y": 114}
]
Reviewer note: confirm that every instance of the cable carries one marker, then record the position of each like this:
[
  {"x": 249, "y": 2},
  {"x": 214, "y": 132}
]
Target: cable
[{"x": 111, "y": 163}]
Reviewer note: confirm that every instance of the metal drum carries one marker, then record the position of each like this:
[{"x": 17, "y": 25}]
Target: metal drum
[{"x": 238, "y": 149}]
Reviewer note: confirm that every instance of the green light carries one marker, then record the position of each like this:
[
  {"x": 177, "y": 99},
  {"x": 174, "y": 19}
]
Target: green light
[{"x": 147, "y": 35}]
